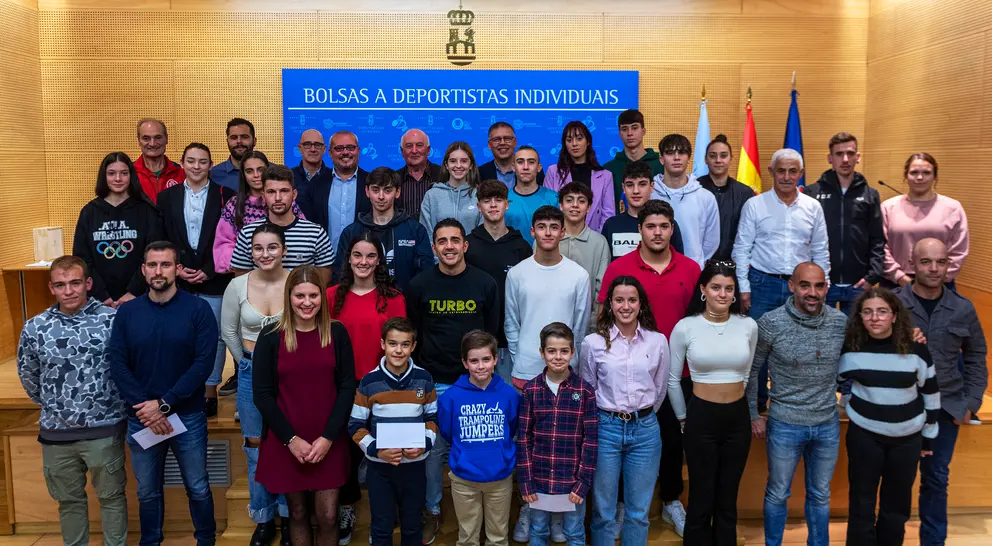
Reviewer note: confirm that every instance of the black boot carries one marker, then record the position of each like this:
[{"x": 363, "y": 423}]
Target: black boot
[
  {"x": 284, "y": 531},
  {"x": 264, "y": 534}
]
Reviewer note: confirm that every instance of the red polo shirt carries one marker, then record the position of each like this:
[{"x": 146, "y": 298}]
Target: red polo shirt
[{"x": 669, "y": 292}]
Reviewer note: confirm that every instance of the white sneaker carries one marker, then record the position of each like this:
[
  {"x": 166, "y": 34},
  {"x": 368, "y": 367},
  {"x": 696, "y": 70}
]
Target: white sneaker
[
  {"x": 557, "y": 530},
  {"x": 674, "y": 514},
  {"x": 521, "y": 531},
  {"x": 618, "y": 522}
]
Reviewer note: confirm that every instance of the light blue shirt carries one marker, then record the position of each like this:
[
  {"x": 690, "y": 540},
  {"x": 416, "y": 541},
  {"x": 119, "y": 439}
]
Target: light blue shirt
[
  {"x": 509, "y": 177},
  {"x": 226, "y": 174},
  {"x": 194, "y": 203},
  {"x": 341, "y": 205}
]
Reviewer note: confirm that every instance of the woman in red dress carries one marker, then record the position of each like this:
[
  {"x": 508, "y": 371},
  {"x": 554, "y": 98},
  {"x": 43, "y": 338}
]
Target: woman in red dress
[
  {"x": 363, "y": 301},
  {"x": 304, "y": 387}
]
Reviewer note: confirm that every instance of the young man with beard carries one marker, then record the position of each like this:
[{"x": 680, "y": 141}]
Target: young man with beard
[
  {"x": 696, "y": 210},
  {"x": 801, "y": 343},
  {"x": 853, "y": 213},
  {"x": 240, "y": 141},
  {"x": 444, "y": 303},
  {"x": 527, "y": 195},
  {"x": 63, "y": 364},
  {"x": 669, "y": 278},
  {"x": 311, "y": 168},
  {"x": 502, "y": 143},
  {"x": 161, "y": 376},
  {"x": 957, "y": 344},
  {"x": 495, "y": 248},
  {"x": 632, "y": 132},
  {"x": 306, "y": 242},
  {"x": 621, "y": 231},
  {"x": 335, "y": 202},
  {"x": 407, "y": 246},
  {"x": 155, "y": 171}
]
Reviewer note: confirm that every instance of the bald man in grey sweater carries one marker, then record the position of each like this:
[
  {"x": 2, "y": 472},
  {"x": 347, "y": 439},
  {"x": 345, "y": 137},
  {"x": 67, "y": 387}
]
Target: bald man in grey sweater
[{"x": 801, "y": 343}]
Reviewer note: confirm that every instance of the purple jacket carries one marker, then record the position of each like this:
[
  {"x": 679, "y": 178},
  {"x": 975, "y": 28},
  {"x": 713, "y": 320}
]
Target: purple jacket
[{"x": 602, "y": 194}]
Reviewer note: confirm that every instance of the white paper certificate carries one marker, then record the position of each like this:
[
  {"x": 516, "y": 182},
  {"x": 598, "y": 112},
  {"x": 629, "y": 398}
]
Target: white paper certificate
[
  {"x": 553, "y": 503},
  {"x": 146, "y": 438},
  {"x": 400, "y": 435}
]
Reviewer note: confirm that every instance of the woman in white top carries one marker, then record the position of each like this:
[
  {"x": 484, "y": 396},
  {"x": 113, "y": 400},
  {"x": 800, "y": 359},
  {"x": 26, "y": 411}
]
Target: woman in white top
[
  {"x": 252, "y": 302},
  {"x": 718, "y": 344}
]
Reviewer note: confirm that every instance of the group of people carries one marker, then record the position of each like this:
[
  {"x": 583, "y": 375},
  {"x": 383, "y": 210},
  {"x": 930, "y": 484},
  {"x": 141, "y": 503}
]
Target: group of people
[{"x": 583, "y": 328}]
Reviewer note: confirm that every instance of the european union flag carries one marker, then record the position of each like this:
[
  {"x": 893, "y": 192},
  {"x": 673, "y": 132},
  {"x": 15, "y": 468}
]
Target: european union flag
[{"x": 794, "y": 133}]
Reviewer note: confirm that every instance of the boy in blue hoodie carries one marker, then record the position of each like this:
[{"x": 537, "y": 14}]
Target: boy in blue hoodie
[{"x": 478, "y": 418}]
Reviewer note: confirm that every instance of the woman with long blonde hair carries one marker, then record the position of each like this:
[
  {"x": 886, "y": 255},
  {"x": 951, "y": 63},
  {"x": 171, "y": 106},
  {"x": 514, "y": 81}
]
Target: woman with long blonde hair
[{"x": 304, "y": 387}]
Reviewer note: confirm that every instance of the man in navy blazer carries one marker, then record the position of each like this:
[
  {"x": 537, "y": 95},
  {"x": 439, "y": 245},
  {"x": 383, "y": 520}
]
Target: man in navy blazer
[
  {"x": 502, "y": 144},
  {"x": 311, "y": 167},
  {"x": 335, "y": 202}
]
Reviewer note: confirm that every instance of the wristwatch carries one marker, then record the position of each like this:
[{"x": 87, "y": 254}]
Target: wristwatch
[{"x": 163, "y": 407}]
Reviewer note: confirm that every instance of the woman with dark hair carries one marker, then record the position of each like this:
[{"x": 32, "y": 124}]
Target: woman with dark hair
[
  {"x": 363, "y": 301},
  {"x": 626, "y": 360},
  {"x": 304, "y": 387},
  {"x": 252, "y": 302},
  {"x": 577, "y": 162},
  {"x": 113, "y": 230},
  {"x": 894, "y": 405},
  {"x": 920, "y": 214},
  {"x": 454, "y": 195},
  {"x": 730, "y": 194},
  {"x": 244, "y": 208},
  {"x": 718, "y": 344}
]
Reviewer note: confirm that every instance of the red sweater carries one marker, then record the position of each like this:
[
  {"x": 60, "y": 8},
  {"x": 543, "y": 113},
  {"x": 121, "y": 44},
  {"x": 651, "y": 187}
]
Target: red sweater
[
  {"x": 172, "y": 175},
  {"x": 364, "y": 325}
]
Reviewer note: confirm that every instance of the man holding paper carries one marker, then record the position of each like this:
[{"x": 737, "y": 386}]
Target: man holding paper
[{"x": 162, "y": 350}]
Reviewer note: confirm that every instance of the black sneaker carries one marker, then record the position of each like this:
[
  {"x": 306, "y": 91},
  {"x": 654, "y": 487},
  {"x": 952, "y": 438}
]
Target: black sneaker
[
  {"x": 284, "y": 532},
  {"x": 230, "y": 387},
  {"x": 210, "y": 407},
  {"x": 346, "y": 524},
  {"x": 264, "y": 534}
]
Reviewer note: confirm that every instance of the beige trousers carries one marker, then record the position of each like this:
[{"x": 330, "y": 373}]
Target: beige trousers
[{"x": 475, "y": 502}]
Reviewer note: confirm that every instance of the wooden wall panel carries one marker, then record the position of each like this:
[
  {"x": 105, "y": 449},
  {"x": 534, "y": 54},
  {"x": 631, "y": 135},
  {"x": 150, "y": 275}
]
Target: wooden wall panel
[
  {"x": 920, "y": 23},
  {"x": 819, "y": 8}
]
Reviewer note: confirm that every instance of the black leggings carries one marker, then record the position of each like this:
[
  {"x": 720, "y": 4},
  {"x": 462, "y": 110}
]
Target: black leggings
[
  {"x": 325, "y": 504},
  {"x": 717, "y": 439}
]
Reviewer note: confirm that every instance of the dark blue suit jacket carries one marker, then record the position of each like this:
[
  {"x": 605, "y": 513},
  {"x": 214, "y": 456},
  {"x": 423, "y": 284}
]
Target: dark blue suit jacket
[{"x": 313, "y": 199}]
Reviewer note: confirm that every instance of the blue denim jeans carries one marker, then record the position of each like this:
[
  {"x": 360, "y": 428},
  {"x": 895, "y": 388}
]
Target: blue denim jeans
[
  {"x": 190, "y": 449},
  {"x": 631, "y": 448},
  {"x": 435, "y": 465},
  {"x": 504, "y": 366},
  {"x": 843, "y": 295},
  {"x": 262, "y": 505},
  {"x": 767, "y": 293},
  {"x": 817, "y": 446},
  {"x": 934, "y": 476},
  {"x": 218, "y": 372},
  {"x": 573, "y": 524}
]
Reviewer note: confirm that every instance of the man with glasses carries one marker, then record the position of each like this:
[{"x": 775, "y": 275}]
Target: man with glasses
[
  {"x": 419, "y": 174},
  {"x": 312, "y": 167},
  {"x": 502, "y": 143},
  {"x": 335, "y": 202}
]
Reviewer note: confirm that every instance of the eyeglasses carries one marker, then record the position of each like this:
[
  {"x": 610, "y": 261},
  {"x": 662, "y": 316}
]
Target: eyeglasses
[
  {"x": 308, "y": 145},
  {"x": 499, "y": 139},
  {"x": 348, "y": 147},
  {"x": 880, "y": 313}
]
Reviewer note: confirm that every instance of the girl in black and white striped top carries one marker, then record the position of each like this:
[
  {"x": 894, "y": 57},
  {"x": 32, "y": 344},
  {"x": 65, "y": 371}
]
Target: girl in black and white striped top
[{"x": 893, "y": 411}]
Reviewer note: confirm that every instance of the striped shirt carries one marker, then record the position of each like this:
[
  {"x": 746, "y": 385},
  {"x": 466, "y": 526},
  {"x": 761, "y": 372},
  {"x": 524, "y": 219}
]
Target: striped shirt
[
  {"x": 306, "y": 243},
  {"x": 892, "y": 395},
  {"x": 557, "y": 437},
  {"x": 383, "y": 397}
]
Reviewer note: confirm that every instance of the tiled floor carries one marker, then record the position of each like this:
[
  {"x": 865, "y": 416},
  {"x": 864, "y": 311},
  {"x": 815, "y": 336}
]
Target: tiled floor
[{"x": 966, "y": 530}]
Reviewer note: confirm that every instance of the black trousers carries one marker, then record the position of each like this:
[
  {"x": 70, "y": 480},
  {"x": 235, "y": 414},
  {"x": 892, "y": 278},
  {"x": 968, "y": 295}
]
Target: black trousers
[
  {"x": 670, "y": 473},
  {"x": 717, "y": 440},
  {"x": 873, "y": 458},
  {"x": 391, "y": 486},
  {"x": 351, "y": 491}
]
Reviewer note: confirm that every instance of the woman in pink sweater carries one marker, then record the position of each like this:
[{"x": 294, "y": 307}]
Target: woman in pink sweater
[{"x": 921, "y": 214}]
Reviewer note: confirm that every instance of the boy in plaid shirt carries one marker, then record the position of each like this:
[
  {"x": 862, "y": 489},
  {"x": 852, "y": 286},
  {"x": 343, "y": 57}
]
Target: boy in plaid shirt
[{"x": 556, "y": 446}]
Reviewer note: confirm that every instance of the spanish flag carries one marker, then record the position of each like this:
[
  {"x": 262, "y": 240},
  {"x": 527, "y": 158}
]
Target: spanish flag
[{"x": 748, "y": 169}]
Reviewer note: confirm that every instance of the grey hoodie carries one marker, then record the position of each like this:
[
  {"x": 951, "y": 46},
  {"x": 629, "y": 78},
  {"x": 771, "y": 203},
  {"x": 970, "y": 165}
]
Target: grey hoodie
[
  {"x": 803, "y": 355},
  {"x": 63, "y": 365},
  {"x": 697, "y": 213},
  {"x": 443, "y": 201}
]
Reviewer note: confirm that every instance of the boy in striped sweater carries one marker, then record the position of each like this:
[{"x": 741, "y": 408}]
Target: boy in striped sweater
[{"x": 397, "y": 391}]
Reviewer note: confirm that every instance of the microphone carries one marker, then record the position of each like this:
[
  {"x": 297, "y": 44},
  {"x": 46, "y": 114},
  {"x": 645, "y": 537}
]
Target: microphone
[{"x": 882, "y": 183}]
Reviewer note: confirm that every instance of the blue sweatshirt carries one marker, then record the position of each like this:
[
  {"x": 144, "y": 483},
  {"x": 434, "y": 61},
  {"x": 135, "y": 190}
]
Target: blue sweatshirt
[
  {"x": 480, "y": 426},
  {"x": 163, "y": 350}
]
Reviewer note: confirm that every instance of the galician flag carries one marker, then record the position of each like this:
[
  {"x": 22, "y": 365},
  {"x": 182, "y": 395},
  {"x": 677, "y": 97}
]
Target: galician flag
[
  {"x": 794, "y": 133},
  {"x": 699, "y": 167},
  {"x": 748, "y": 168}
]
